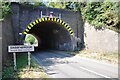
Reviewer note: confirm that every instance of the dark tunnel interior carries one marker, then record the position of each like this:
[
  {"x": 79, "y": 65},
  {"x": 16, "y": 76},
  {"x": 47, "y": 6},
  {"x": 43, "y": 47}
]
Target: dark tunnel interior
[{"x": 51, "y": 35}]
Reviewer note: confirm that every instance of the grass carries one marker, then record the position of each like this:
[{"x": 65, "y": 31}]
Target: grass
[
  {"x": 23, "y": 71},
  {"x": 101, "y": 56},
  {"x": 108, "y": 57}
]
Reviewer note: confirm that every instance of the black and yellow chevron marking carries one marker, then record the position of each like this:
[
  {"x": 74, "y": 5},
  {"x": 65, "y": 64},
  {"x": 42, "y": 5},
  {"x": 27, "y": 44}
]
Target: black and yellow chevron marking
[{"x": 49, "y": 19}]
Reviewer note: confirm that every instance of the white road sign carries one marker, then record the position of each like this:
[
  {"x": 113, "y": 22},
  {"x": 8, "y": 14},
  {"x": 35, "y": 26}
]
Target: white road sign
[{"x": 20, "y": 48}]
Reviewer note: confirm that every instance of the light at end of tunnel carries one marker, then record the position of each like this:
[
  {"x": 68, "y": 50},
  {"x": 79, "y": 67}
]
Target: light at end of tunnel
[{"x": 31, "y": 40}]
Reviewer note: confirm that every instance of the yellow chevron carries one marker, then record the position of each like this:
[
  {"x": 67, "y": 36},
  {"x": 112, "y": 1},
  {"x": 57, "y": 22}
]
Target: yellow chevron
[
  {"x": 60, "y": 21},
  {"x": 42, "y": 19},
  {"x": 55, "y": 19},
  {"x": 48, "y": 19},
  {"x": 45, "y": 19},
  {"x": 31, "y": 25},
  {"x": 25, "y": 33},
  {"x": 39, "y": 20},
  {"x": 27, "y": 30},
  {"x": 36, "y": 21},
  {"x": 69, "y": 29},
  {"x": 52, "y": 19},
  {"x": 72, "y": 34},
  {"x": 63, "y": 23}
]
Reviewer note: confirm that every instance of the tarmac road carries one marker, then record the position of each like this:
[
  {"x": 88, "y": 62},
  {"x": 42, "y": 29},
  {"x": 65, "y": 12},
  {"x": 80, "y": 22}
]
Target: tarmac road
[{"x": 61, "y": 65}]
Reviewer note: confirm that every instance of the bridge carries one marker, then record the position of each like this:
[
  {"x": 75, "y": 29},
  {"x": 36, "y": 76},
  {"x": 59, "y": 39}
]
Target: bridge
[{"x": 57, "y": 29}]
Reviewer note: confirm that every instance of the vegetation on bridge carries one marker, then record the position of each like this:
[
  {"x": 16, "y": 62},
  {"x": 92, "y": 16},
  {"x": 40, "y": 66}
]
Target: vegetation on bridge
[{"x": 102, "y": 14}]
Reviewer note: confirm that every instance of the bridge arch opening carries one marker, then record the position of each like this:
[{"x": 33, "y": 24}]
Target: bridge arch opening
[{"x": 51, "y": 33}]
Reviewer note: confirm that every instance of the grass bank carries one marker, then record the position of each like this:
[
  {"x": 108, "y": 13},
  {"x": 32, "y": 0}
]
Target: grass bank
[
  {"x": 22, "y": 69},
  {"x": 108, "y": 57}
]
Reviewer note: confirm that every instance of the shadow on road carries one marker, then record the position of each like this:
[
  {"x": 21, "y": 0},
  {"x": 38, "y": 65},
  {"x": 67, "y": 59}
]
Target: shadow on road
[{"x": 50, "y": 58}]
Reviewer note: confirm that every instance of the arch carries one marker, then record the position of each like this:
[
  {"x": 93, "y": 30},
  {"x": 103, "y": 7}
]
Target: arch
[{"x": 49, "y": 19}]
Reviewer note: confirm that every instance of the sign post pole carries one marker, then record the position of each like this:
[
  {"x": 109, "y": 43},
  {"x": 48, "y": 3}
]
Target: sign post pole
[
  {"x": 20, "y": 48},
  {"x": 14, "y": 56},
  {"x": 29, "y": 59}
]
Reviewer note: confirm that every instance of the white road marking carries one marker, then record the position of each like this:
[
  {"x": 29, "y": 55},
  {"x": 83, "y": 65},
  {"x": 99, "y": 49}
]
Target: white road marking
[
  {"x": 88, "y": 70},
  {"x": 94, "y": 72},
  {"x": 96, "y": 61}
]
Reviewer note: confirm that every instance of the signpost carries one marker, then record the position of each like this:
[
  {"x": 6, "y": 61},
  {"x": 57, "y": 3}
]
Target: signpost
[{"x": 20, "y": 48}]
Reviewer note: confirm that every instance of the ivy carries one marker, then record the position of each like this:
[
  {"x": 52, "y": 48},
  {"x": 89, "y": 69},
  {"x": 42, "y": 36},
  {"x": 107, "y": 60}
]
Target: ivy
[
  {"x": 6, "y": 10},
  {"x": 99, "y": 14},
  {"x": 102, "y": 14}
]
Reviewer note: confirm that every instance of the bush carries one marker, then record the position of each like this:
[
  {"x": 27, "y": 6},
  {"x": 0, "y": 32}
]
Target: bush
[{"x": 102, "y": 14}]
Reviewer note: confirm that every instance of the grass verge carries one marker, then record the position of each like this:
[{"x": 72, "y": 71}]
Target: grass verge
[
  {"x": 101, "y": 56},
  {"x": 108, "y": 57},
  {"x": 23, "y": 71}
]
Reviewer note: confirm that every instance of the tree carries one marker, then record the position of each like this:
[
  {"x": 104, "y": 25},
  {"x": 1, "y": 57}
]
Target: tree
[
  {"x": 60, "y": 5},
  {"x": 6, "y": 10},
  {"x": 101, "y": 14}
]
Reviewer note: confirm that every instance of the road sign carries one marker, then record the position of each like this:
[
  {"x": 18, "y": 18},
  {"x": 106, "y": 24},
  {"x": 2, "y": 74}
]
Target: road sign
[{"x": 20, "y": 48}]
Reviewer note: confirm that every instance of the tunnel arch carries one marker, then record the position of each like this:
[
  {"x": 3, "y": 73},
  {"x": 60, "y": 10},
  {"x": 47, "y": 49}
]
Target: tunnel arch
[
  {"x": 49, "y": 19},
  {"x": 52, "y": 32}
]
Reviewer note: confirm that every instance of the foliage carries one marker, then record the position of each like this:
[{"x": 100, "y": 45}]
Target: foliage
[
  {"x": 36, "y": 4},
  {"x": 62, "y": 5},
  {"x": 56, "y": 5},
  {"x": 22, "y": 69},
  {"x": 99, "y": 14},
  {"x": 102, "y": 14},
  {"x": 109, "y": 57},
  {"x": 33, "y": 4},
  {"x": 6, "y": 10}
]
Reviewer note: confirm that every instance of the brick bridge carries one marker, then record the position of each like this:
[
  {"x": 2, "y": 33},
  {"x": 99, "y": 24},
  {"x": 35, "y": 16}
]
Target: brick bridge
[{"x": 57, "y": 29}]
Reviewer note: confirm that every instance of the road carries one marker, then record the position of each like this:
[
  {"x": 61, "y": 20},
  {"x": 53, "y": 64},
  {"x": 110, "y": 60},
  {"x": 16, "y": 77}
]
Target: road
[{"x": 61, "y": 65}]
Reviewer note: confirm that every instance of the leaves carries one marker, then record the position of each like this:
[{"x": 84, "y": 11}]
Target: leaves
[
  {"x": 101, "y": 14},
  {"x": 6, "y": 10},
  {"x": 60, "y": 5}
]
